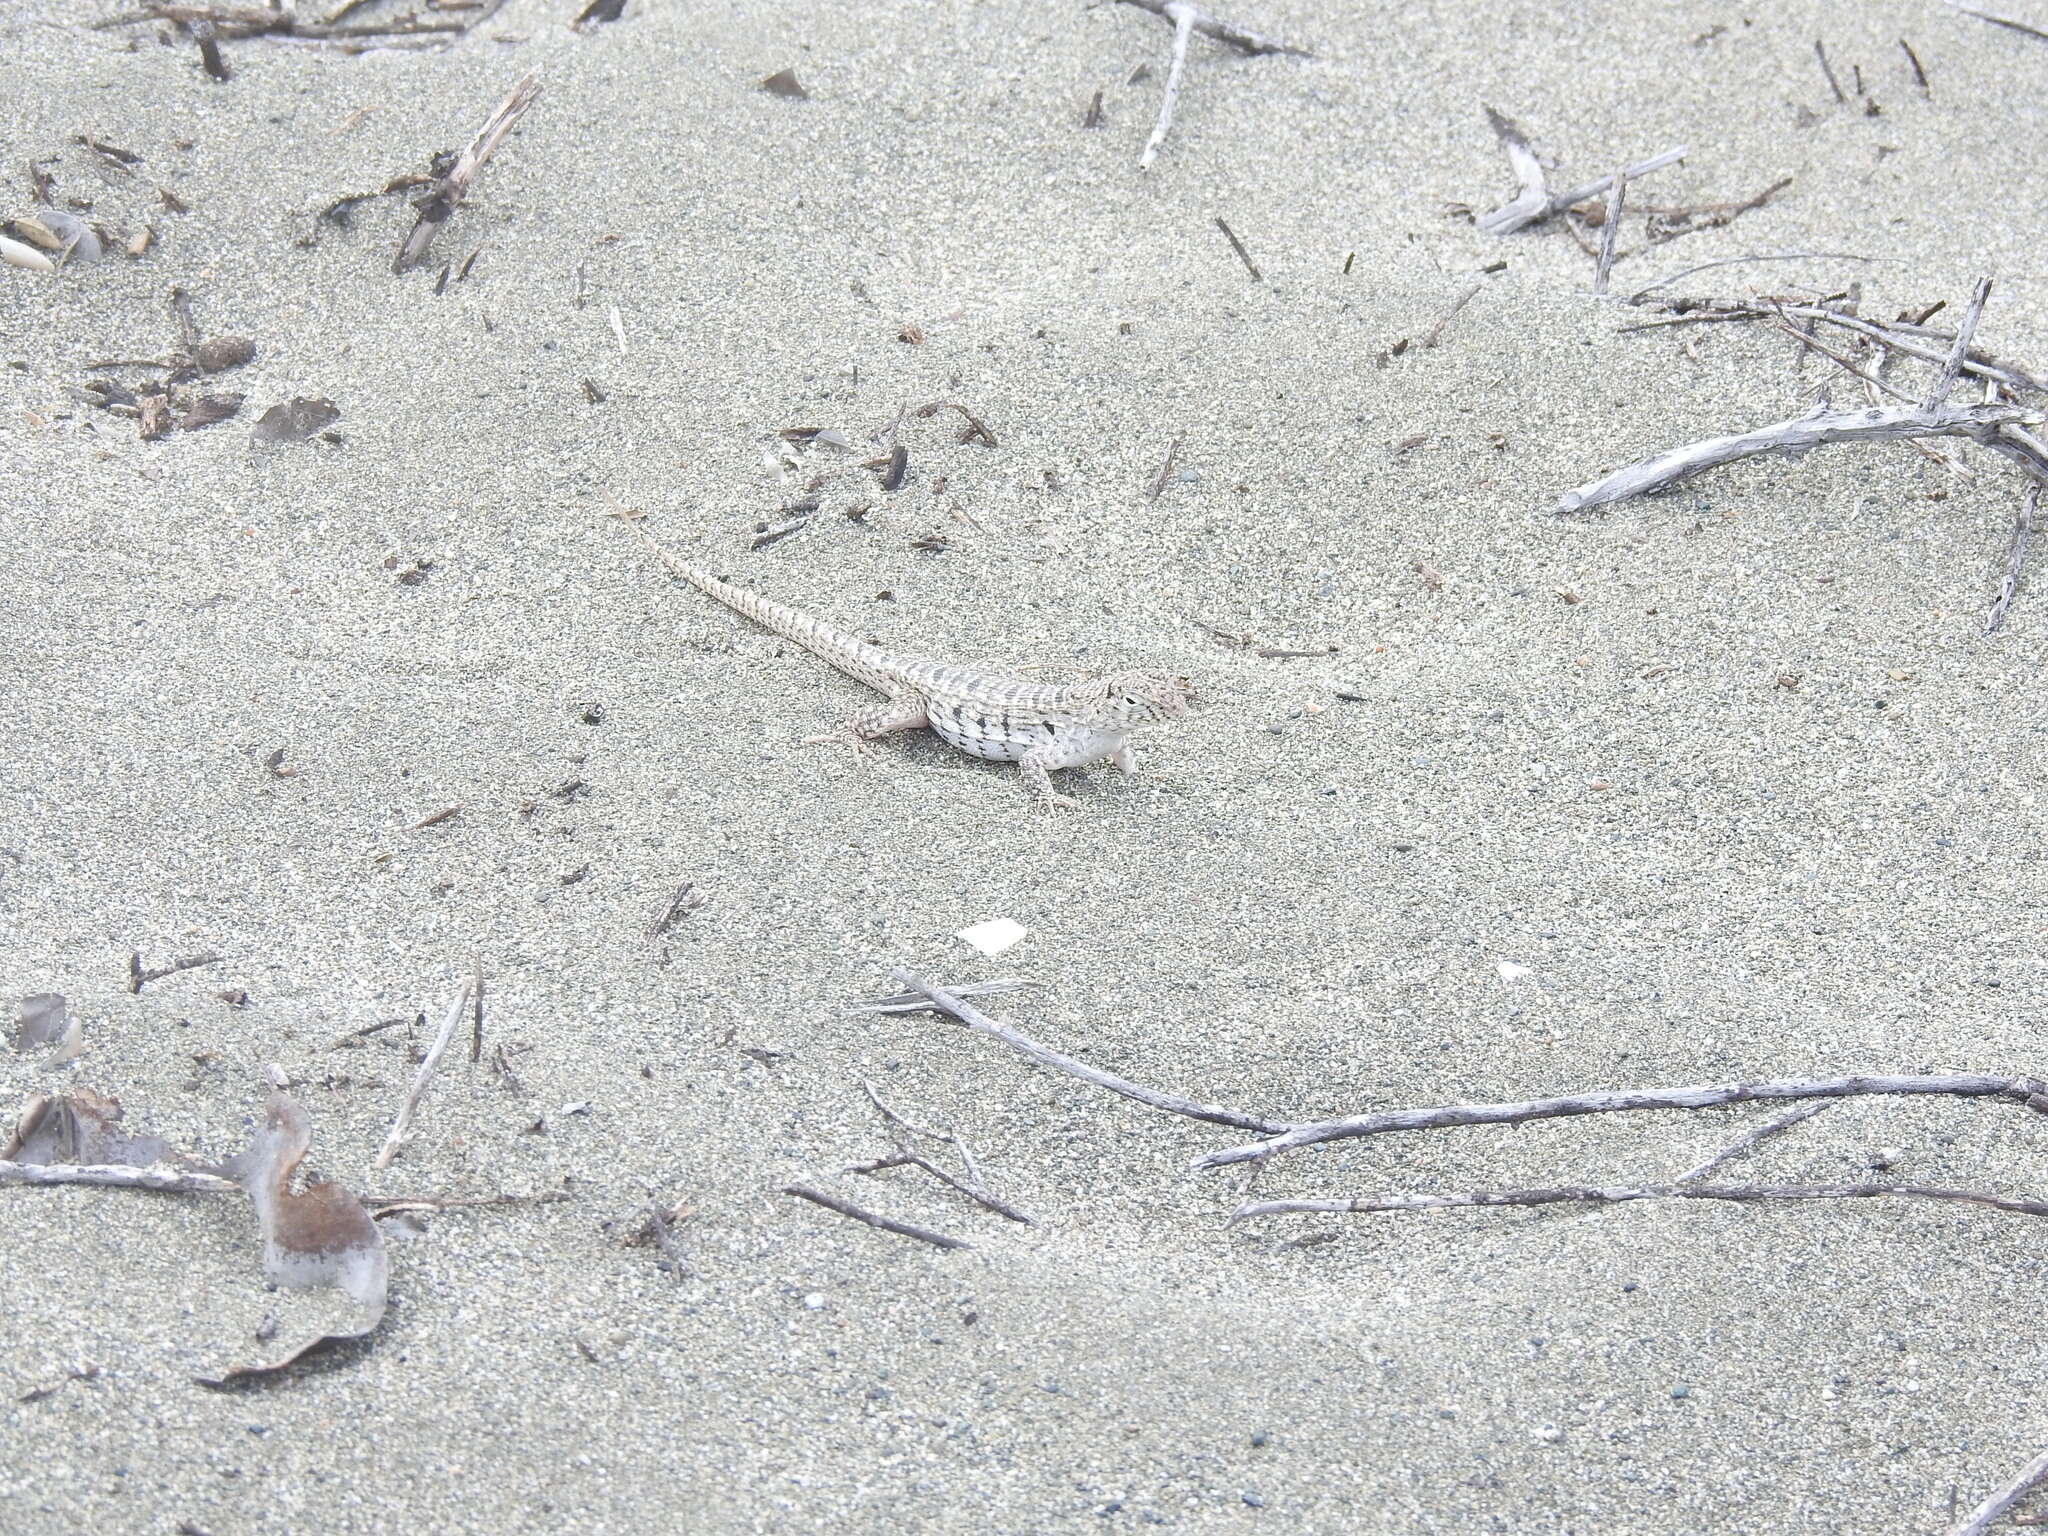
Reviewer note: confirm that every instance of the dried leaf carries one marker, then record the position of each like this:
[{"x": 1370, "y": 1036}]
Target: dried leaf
[
  {"x": 296, "y": 420},
  {"x": 78, "y": 1128},
  {"x": 39, "y": 1020},
  {"x": 319, "y": 1236},
  {"x": 220, "y": 353},
  {"x": 209, "y": 410}
]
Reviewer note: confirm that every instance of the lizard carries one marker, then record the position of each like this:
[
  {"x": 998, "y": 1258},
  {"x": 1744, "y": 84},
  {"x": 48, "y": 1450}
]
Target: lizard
[{"x": 988, "y": 712}]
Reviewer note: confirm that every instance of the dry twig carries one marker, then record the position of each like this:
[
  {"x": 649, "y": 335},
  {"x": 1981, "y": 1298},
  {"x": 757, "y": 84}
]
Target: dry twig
[
  {"x": 167, "y": 1180},
  {"x": 1749, "y": 1139},
  {"x": 885, "y": 1223},
  {"x": 138, "y": 977},
  {"x": 952, "y": 1003},
  {"x": 1997, "y": 19},
  {"x": 917, "y": 1002},
  {"x": 1980, "y": 1519},
  {"x": 1614, "y": 1195},
  {"x": 907, "y": 1156},
  {"x": 2026, "y": 1090},
  {"x": 403, "y": 1121}
]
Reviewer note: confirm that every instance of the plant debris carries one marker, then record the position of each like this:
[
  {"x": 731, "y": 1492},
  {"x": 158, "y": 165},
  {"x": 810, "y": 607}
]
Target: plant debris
[{"x": 82, "y": 1128}]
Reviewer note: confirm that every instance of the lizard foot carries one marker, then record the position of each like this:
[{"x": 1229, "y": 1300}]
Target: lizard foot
[{"x": 860, "y": 747}]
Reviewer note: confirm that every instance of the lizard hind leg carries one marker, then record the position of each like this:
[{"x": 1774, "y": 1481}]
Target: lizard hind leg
[
  {"x": 1038, "y": 782},
  {"x": 903, "y": 714}
]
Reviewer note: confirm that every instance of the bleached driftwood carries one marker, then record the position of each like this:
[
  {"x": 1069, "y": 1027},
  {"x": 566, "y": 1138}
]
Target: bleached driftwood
[{"x": 1801, "y": 434}]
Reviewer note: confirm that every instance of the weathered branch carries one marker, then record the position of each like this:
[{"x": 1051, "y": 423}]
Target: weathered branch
[
  {"x": 171, "y": 1181},
  {"x": 1614, "y": 1195},
  {"x": 1982, "y": 423},
  {"x": 1533, "y": 201},
  {"x": 439, "y": 205},
  {"x": 2027, "y": 1090}
]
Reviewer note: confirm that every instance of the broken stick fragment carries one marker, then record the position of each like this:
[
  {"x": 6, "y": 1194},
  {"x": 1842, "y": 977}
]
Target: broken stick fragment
[
  {"x": 1881, "y": 424},
  {"x": 446, "y": 195}
]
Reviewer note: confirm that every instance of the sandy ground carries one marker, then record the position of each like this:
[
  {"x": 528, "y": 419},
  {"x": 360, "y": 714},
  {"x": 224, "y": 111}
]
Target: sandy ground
[{"x": 1301, "y": 904}]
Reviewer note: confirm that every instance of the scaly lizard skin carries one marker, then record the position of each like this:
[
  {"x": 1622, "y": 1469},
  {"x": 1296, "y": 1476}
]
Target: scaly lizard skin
[{"x": 984, "y": 711}]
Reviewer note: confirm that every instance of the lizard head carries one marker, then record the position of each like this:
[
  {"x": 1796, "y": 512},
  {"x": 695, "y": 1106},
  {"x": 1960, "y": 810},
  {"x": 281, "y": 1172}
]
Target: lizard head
[{"x": 1137, "y": 698}]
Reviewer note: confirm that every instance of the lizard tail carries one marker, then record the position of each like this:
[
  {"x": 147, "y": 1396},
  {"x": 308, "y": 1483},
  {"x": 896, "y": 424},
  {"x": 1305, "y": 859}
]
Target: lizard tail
[{"x": 866, "y": 663}]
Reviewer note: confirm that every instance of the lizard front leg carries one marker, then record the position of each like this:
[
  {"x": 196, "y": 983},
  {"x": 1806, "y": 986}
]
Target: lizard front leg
[{"x": 905, "y": 712}]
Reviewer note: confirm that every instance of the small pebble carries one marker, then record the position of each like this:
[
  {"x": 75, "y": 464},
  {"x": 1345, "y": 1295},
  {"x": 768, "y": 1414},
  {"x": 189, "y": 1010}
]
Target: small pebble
[
  {"x": 1679, "y": 1394},
  {"x": 815, "y": 1300},
  {"x": 1253, "y": 1500}
]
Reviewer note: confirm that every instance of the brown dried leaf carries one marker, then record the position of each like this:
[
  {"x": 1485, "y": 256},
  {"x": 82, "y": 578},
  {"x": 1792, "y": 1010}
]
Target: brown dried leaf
[
  {"x": 209, "y": 410},
  {"x": 319, "y": 1236}
]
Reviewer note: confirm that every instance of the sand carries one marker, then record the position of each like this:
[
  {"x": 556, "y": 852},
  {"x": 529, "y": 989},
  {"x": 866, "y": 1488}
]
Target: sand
[{"x": 1301, "y": 905}]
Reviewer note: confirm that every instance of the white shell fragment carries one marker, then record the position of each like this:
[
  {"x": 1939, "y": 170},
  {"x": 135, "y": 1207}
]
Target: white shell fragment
[
  {"x": 994, "y": 936},
  {"x": 27, "y": 257}
]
